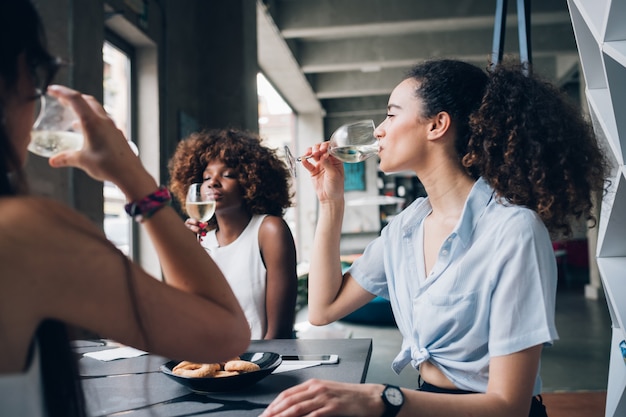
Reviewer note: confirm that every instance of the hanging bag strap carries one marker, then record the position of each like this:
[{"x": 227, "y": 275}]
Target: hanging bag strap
[{"x": 523, "y": 29}]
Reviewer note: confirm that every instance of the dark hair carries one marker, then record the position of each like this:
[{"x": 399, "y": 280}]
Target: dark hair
[
  {"x": 524, "y": 136},
  {"x": 21, "y": 32},
  {"x": 454, "y": 87},
  {"x": 262, "y": 175}
]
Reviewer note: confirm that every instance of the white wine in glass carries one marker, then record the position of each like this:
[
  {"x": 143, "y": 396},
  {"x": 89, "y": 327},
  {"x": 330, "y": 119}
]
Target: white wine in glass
[
  {"x": 47, "y": 143},
  {"x": 200, "y": 205},
  {"x": 53, "y": 131},
  {"x": 354, "y": 142}
]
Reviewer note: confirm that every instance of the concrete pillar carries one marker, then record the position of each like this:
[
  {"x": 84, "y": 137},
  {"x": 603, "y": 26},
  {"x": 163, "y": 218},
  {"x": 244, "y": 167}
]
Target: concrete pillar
[
  {"x": 309, "y": 130},
  {"x": 210, "y": 59}
]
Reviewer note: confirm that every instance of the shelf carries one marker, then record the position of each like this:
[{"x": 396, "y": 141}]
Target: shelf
[
  {"x": 601, "y": 38},
  {"x": 594, "y": 13},
  {"x": 615, "y": 28},
  {"x": 589, "y": 50},
  {"x": 612, "y": 233},
  {"x": 602, "y": 108},
  {"x": 614, "y": 281},
  {"x": 617, "y": 51},
  {"x": 616, "y": 392},
  {"x": 605, "y": 212},
  {"x": 614, "y": 63}
]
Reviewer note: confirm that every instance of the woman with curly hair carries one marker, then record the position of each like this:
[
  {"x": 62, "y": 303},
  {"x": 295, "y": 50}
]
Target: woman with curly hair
[
  {"x": 247, "y": 236},
  {"x": 506, "y": 161}
]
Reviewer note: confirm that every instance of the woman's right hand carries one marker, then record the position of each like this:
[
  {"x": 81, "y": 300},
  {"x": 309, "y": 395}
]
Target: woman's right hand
[
  {"x": 326, "y": 172},
  {"x": 195, "y": 226},
  {"x": 106, "y": 155}
]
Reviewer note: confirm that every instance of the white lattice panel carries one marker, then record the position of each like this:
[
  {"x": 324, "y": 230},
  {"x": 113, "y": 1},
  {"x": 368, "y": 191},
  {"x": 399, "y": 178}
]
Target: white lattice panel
[{"x": 601, "y": 38}]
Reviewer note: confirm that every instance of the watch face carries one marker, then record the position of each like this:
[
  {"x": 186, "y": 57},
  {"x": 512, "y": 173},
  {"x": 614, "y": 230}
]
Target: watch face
[{"x": 394, "y": 396}]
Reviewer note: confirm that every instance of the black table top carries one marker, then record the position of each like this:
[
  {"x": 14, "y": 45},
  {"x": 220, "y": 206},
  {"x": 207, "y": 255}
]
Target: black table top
[{"x": 136, "y": 387}]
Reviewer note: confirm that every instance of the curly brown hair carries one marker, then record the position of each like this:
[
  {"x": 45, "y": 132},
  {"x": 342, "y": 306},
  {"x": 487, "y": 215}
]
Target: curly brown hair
[
  {"x": 262, "y": 174},
  {"x": 523, "y": 135}
]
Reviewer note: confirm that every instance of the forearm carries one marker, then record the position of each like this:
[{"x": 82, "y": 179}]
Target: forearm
[
  {"x": 509, "y": 392},
  {"x": 185, "y": 264},
  {"x": 325, "y": 276},
  {"x": 280, "y": 307},
  {"x": 188, "y": 267},
  {"x": 280, "y": 327},
  {"x": 426, "y": 404}
]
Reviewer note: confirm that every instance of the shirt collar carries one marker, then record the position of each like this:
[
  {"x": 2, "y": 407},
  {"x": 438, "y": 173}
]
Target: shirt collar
[
  {"x": 477, "y": 201},
  {"x": 479, "y": 198}
]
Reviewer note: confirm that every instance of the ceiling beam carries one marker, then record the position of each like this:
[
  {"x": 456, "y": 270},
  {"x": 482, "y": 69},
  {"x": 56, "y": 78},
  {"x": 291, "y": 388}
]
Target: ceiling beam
[
  {"x": 280, "y": 67},
  {"x": 298, "y": 19},
  {"x": 400, "y": 51}
]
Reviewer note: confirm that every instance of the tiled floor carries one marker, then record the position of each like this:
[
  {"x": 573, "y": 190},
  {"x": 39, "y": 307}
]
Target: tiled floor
[{"x": 577, "y": 362}]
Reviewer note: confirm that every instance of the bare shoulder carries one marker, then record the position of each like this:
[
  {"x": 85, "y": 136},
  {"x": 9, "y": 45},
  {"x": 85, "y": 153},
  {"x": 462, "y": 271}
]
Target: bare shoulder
[
  {"x": 275, "y": 238},
  {"x": 31, "y": 211},
  {"x": 41, "y": 234},
  {"x": 33, "y": 221},
  {"x": 274, "y": 227},
  {"x": 20, "y": 208}
]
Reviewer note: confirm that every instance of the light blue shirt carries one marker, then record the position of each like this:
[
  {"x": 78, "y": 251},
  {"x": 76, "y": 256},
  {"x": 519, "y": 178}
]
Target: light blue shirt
[{"x": 491, "y": 292}]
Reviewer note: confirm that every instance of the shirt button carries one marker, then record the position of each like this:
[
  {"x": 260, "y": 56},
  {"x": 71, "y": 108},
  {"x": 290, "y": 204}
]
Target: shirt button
[{"x": 444, "y": 252}]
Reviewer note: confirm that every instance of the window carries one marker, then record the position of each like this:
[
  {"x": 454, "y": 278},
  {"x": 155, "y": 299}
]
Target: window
[
  {"x": 117, "y": 82},
  {"x": 276, "y": 127}
]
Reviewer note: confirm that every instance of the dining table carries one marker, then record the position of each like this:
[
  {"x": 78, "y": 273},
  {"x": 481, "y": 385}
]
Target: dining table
[{"x": 137, "y": 386}]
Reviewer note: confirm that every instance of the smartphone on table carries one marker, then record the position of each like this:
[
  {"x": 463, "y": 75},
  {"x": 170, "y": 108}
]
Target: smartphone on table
[{"x": 323, "y": 358}]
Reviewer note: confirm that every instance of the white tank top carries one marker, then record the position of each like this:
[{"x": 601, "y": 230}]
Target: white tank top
[{"x": 241, "y": 263}]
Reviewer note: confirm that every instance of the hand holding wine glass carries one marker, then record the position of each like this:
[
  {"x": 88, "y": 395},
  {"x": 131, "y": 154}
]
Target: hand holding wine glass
[{"x": 199, "y": 204}]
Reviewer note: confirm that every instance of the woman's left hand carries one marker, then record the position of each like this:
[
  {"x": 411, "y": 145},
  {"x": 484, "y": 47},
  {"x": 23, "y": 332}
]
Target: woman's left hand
[{"x": 327, "y": 398}]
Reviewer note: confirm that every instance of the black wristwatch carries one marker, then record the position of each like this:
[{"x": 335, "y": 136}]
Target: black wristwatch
[{"x": 393, "y": 399}]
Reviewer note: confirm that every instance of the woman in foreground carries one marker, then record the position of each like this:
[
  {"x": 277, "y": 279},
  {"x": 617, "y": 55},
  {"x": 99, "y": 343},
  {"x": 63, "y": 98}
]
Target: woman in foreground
[
  {"x": 507, "y": 162},
  {"x": 57, "y": 268}
]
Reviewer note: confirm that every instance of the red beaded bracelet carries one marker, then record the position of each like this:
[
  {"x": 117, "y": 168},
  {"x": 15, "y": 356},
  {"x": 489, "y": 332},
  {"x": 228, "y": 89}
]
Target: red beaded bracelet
[{"x": 144, "y": 209}]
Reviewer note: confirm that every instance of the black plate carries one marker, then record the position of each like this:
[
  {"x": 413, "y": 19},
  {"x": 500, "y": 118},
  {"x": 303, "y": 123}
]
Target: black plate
[{"x": 268, "y": 361}]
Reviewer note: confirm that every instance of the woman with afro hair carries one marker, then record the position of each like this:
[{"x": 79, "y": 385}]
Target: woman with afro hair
[
  {"x": 507, "y": 162},
  {"x": 247, "y": 237}
]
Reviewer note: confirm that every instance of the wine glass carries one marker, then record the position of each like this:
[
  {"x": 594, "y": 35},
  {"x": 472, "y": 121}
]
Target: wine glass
[
  {"x": 53, "y": 131},
  {"x": 199, "y": 204},
  {"x": 291, "y": 161},
  {"x": 352, "y": 142}
]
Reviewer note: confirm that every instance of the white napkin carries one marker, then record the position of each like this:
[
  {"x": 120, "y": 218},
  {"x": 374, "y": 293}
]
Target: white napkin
[
  {"x": 117, "y": 353},
  {"x": 286, "y": 366}
]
